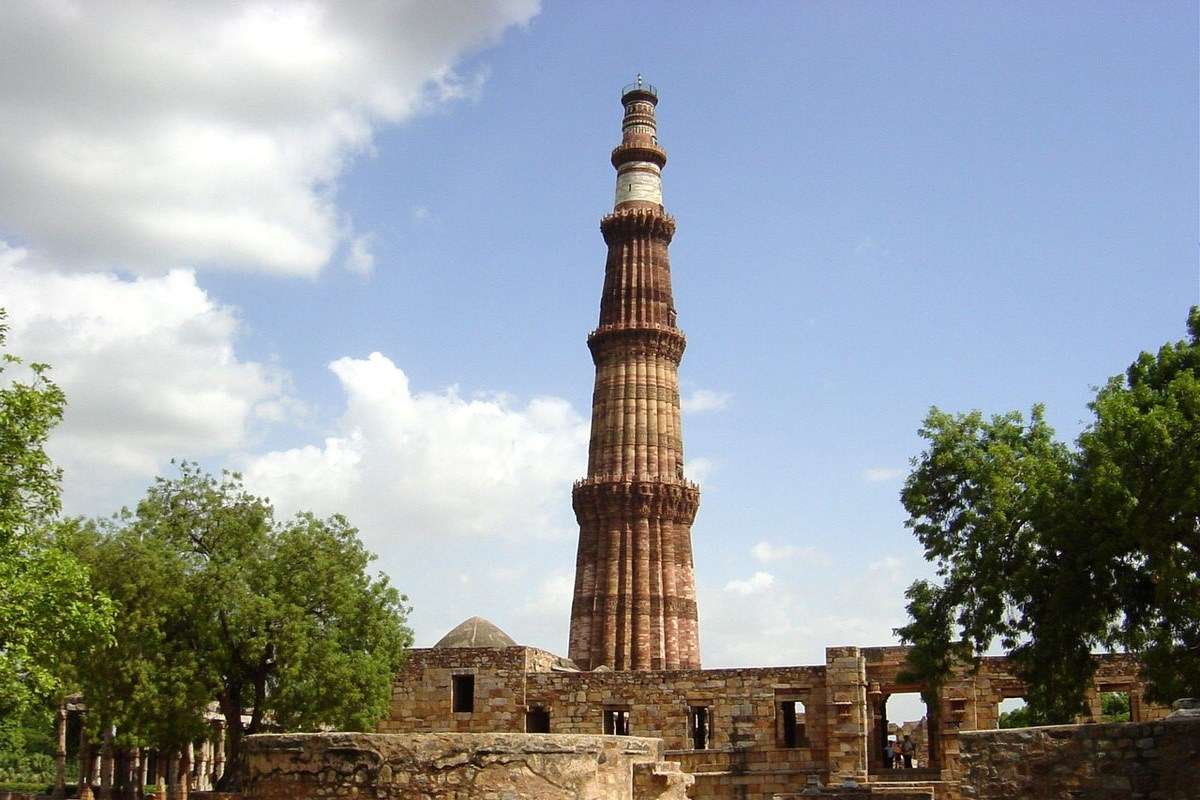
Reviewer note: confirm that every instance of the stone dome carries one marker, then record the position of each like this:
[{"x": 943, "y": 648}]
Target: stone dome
[{"x": 475, "y": 632}]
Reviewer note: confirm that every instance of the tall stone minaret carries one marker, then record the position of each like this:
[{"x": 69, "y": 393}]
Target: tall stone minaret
[{"x": 635, "y": 596}]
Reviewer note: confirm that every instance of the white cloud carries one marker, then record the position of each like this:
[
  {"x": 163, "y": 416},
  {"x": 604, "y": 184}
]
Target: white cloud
[
  {"x": 766, "y": 552},
  {"x": 149, "y": 370},
  {"x": 552, "y": 602},
  {"x": 422, "y": 464},
  {"x": 789, "y": 616},
  {"x": 703, "y": 400},
  {"x": 360, "y": 260},
  {"x": 147, "y": 136},
  {"x": 442, "y": 486},
  {"x": 756, "y": 583},
  {"x": 699, "y": 469},
  {"x": 881, "y": 474}
]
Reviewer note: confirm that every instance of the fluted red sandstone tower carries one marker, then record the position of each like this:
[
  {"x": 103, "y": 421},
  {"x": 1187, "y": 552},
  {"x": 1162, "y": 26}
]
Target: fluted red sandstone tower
[{"x": 635, "y": 598}]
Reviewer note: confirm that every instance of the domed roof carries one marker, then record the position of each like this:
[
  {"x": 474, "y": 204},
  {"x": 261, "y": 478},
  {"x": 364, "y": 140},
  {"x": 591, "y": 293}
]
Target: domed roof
[{"x": 475, "y": 632}]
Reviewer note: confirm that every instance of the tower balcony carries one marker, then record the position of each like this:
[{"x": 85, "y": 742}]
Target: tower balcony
[
  {"x": 629, "y": 497},
  {"x": 639, "y": 86},
  {"x": 641, "y": 148},
  {"x": 646, "y": 338}
]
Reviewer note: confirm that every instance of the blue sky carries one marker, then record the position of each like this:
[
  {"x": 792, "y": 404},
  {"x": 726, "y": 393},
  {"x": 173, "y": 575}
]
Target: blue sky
[{"x": 881, "y": 207}]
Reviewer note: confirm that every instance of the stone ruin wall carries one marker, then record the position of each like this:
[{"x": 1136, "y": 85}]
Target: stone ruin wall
[
  {"x": 970, "y": 700},
  {"x": 421, "y": 690},
  {"x": 743, "y": 749},
  {"x": 1157, "y": 760},
  {"x": 448, "y": 766},
  {"x": 842, "y": 701}
]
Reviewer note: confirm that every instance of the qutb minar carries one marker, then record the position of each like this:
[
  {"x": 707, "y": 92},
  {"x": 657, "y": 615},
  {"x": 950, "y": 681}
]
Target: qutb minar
[
  {"x": 634, "y": 605},
  {"x": 737, "y": 733}
]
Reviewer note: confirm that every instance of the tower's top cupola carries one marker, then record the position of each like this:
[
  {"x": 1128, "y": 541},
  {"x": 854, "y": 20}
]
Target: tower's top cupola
[
  {"x": 639, "y": 86},
  {"x": 639, "y": 158}
]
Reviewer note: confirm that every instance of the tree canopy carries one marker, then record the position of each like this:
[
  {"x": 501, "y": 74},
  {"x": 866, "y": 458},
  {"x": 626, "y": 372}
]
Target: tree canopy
[
  {"x": 48, "y": 611},
  {"x": 220, "y": 601},
  {"x": 1056, "y": 551}
]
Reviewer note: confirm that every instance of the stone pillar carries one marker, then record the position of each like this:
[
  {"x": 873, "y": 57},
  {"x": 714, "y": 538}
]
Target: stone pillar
[
  {"x": 179, "y": 774},
  {"x": 1094, "y": 706},
  {"x": 106, "y": 764},
  {"x": 878, "y": 731},
  {"x": 136, "y": 767},
  {"x": 218, "y": 769},
  {"x": 85, "y": 760},
  {"x": 171, "y": 775},
  {"x": 190, "y": 773},
  {"x": 60, "y": 753},
  {"x": 161, "y": 767},
  {"x": 201, "y": 771},
  {"x": 846, "y": 694},
  {"x": 185, "y": 772}
]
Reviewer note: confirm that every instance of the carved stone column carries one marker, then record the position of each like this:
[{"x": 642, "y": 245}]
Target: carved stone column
[
  {"x": 60, "y": 753},
  {"x": 106, "y": 764},
  {"x": 201, "y": 771},
  {"x": 161, "y": 767},
  {"x": 137, "y": 780},
  {"x": 218, "y": 769},
  {"x": 85, "y": 760},
  {"x": 179, "y": 775},
  {"x": 878, "y": 733},
  {"x": 190, "y": 772}
]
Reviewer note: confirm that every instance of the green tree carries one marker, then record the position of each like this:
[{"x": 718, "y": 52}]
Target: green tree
[
  {"x": 48, "y": 611},
  {"x": 1022, "y": 717},
  {"x": 277, "y": 620},
  {"x": 1140, "y": 494},
  {"x": 149, "y": 681},
  {"x": 1055, "y": 551},
  {"x": 1114, "y": 707}
]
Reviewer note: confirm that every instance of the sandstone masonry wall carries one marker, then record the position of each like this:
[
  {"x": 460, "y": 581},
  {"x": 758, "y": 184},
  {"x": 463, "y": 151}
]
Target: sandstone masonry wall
[
  {"x": 1116, "y": 761},
  {"x": 460, "y": 767},
  {"x": 745, "y": 755},
  {"x": 421, "y": 695},
  {"x": 839, "y": 729}
]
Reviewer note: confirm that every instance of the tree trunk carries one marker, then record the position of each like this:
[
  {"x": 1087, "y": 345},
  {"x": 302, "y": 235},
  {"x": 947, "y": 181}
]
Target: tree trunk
[
  {"x": 178, "y": 775},
  {"x": 120, "y": 780},
  {"x": 231, "y": 780}
]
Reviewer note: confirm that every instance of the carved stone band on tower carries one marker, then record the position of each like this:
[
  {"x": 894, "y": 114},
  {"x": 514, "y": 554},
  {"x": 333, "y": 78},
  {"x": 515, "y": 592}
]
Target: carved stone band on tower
[{"x": 634, "y": 605}]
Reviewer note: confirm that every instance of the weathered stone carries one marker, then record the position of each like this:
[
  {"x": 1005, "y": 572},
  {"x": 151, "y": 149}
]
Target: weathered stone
[
  {"x": 1111, "y": 761},
  {"x": 460, "y": 767}
]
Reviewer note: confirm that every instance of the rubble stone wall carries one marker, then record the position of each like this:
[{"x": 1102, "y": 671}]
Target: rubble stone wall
[
  {"x": 421, "y": 693},
  {"x": 744, "y": 756},
  {"x": 1114, "y": 761},
  {"x": 460, "y": 767}
]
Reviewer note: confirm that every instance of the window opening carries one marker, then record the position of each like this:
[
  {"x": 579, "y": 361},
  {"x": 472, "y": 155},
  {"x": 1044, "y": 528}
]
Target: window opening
[
  {"x": 616, "y": 721},
  {"x": 792, "y": 724},
  {"x": 537, "y": 720},
  {"x": 1115, "y": 706},
  {"x": 462, "y": 692},
  {"x": 1014, "y": 713},
  {"x": 905, "y": 727},
  {"x": 699, "y": 731}
]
